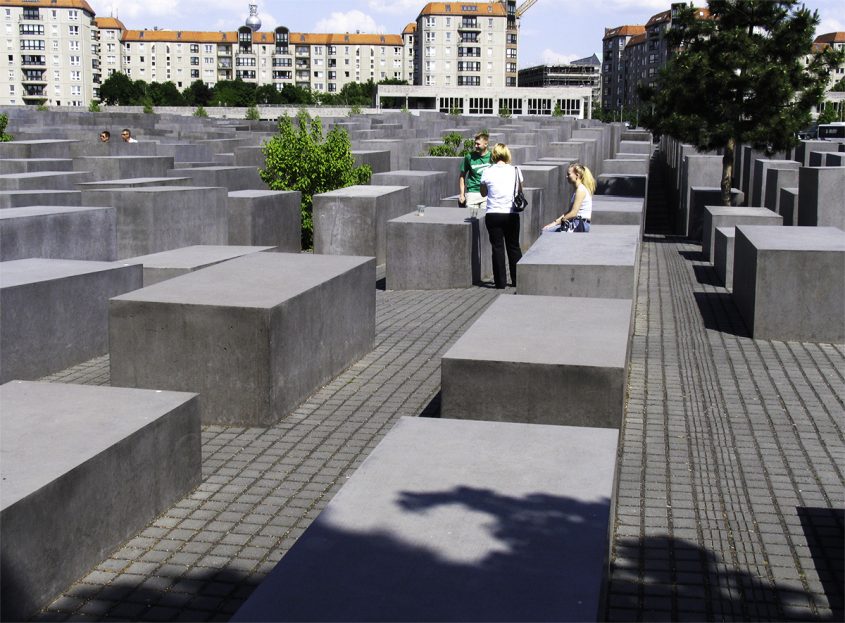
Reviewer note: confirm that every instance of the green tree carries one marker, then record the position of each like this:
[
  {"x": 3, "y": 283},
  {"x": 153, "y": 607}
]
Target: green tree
[
  {"x": 234, "y": 93},
  {"x": 198, "y": 93},
  {"x": 94, "y": 106},
  {"x": 165, "y": 94},
  {"x": 453, "y": 145},
  {"x": 120, "y": 89},
  {"x": 267, "y": 94},
  {"x": 839, "y": 86},
  {"x": 252, "y": 114},
  {"x": 739, "y": 78},
  {"x": 4, "y": 121},
  {"x": 303, "y": 158},
  {"x": 201, "y": 112},
  {"x": 292, "y": 94}
]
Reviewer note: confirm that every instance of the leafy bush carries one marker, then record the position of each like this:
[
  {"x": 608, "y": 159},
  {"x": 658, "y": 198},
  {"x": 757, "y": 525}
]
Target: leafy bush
[
  {"x": 557, "y": 112},
  {"x": 94, "y": 106},
  {"x": 148, "y": 107},
  {"x": 4, "y": 121},
  {"x": 301, "y": 158},
  {"x": 252, "y": 114},
  {"x": 355, "y": 109},
  {"x": 453, "y": 145},
  {"x": 200, "y": 112},
  {"x": 505, "y": 112},
  {"x": 455, "y": 112},
  {"x": 42, "y": 107}
]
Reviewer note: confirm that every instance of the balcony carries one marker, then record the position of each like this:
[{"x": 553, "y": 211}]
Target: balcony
[
  {"x": 224, "y": 64},
  {"x": 33, "y": 61},
  {"x": 31, "y": 17},
  {"x": 469, "y": 27},
  {"x": 34, "y": 78}
]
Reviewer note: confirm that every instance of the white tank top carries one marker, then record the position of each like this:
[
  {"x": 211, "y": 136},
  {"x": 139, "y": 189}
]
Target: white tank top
[{"x": 585, "y": 211}]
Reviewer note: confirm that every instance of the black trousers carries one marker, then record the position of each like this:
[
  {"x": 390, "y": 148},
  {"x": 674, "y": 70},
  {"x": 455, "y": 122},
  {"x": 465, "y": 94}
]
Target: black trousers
[{"x": 504, "y": 234}]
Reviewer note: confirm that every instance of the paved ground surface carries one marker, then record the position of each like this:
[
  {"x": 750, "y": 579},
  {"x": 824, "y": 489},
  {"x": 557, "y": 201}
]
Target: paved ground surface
[{"x": 731, "y": 467}]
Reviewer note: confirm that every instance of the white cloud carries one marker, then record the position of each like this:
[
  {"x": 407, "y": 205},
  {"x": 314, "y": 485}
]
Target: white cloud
[
  {"x": 829, "y": 24},
  {"x": 351, "y": 21},
  {"x": 550, "y": 57},
  {"x": 411, "y": 8}
]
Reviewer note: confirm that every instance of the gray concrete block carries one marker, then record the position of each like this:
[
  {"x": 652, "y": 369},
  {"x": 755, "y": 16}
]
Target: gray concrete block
[
  {"x": 788, "y": 205},
  {"x": 230, "y": 177},
  {"x": 570, "y": 150},
  {"x": 702, "y": 196},
  {"x": 55, "y": 313},
  {"x": 353, "y": 220},
  {"x": 252, "y": 156},
  {"x": 723, "y": 255},
  {"x": 762, "y": 166},
  {"x": 697, "y": 170},
  {"x": 439, "y": 250},
  {"x": 777, "y": 178},
  {"x": 378, "y": 161},
  {"x": 628, "y": 166},
  {"x": 24, "y": 198},
  {"x": 635, "y": 147},
  {"x": 135, "y": 182},
  {"x": 47, "y": 148},
  {"x": 541, "y": 360},
  {"x": 254, "y": 336},
  {"x": 500, "y": 522},
  {"x": 722, "y": 216},
  {"x": 401, "y": 150},
  {"x": 169, "y": 264},
  {"x": 821, "y": 200},
  {"x": 599, "y": 264},
  {"x": 610, "y": 210},
  {"x": 184, "y": 152},
  {"x": 834, "y": 159},
  {"x": 58, "y": 232},
  {"x": 622, "y": 185},
  {"x": 159, "y": 218},
  {"x": 789, "y": 282},
  {"x": 44, "y": 180},
  {"x": 121, "y": 167},
  {"x": 602, "y": 147},
  {"x": 32, "y": 165},
  {"x": 266, "y": 217},
  {"x": 84, "y": 468},
  {"x": 546, "y": 177},
  {"x": 425, "y": 187},
  {"x": 805, "y": 148}
]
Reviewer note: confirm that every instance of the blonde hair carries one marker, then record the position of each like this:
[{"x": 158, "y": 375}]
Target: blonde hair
[
  {"x": 584, "y": 175},
  {"x": 500, "y": 153}
]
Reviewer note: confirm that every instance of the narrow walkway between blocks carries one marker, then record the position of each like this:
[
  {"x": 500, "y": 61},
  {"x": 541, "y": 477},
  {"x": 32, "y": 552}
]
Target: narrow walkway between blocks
[
  {"x": 731, "y": 478},
  {"x": 262, "y": 487}
]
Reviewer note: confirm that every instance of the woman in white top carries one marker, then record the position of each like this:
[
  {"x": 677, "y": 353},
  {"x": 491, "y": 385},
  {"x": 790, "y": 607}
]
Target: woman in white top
[
  {"x": 581, "y": 204},
  {"x": 498, "y": 183}
]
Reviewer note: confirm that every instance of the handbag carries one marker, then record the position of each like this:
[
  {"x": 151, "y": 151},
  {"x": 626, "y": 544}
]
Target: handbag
[{"x": 519, "y": 200}]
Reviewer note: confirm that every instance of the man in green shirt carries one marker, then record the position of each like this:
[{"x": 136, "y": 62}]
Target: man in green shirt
[{"x": 469, "y": 183}]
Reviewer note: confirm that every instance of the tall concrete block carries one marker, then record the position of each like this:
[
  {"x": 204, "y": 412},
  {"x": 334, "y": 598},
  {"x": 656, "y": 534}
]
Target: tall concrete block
[
  {"x": 353, "y": 220},
  {"x": 776, "y": 179},
  {"x": 788, "y": 205},
  {"x": 268, "y": 329},
  {"x": 401, "y": 150},
  {"x": 723, "y": 255},
  {"x": 266, "y": 217},
  {"x": 571, "y": 150},
  {"x": 610, "y": 210},
  {"x": 524, "y": 352},
  {"x": 425, "y": 187},
  {"x": 762, "y": 166},
  {"x": 84, "y": 469},
  {"x": 159, "y": 218},
  {"x": 721, "y": 216},
  {"x": 632, "y": 166},
  {"x": 502, "y": 522},
  {"x": 805, "y": 148},
  {"x": 71, "y": 233},
  {"x": 702, "y": 196},
  {"x": 546, "y": 177},
  {"x": 603, "y": 146},
  {"x": 789, "y": 282},
  {"x": 697, "y": 170},
  {"x": 230, "y": 177},
  {"x": 55, "y": 313},
  {"x": 635, "y": 147},
  {"x": 378, "y": 161},
  {"x": 821, "y": 200}
]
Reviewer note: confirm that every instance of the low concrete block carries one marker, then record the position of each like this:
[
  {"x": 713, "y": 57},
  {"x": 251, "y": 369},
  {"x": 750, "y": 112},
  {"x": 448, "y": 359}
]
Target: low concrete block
[
  {"x": 525, "y": 353},
  {"x": 723, "y": 255},
  {"x": 269, "y": 329},
  {"x": 266, "y": 217},
  {"x": 600, "y": 264},
  {"x": 635, "y": 147},
  {"x": 55, "y": 313},
  {"x": 84, "y": 468},
  {"x": 379, "y": 161},
  {"x": 789, "y": 282},
  {"x": 626, "y": 166},
  {"x": 44, "y": 180},
  {"x": 522, "y": 510},
  {"x": 120, "y": 167},
  {"x": 834, "y": 159},
  {"x": 169, "y": 264},
  {"x": 68, "y": 232},
  {"x": 24, "y": 198},
  {"x": 822, "y": 197},
  {"x": 622, "y": 185},
  {"x": 805, "y": 148},
  {"x": 610, "y": 210},
  {"x": 425, "y": 187},
  {"x": 728, "y": 216},
  {"x": 135, "y": 182},
  {"x": 353, "y": 220},
  {"x": 159, "y": 218},
  {"x": 229, "y": 177},
  {"x": 32, "y": 165}
]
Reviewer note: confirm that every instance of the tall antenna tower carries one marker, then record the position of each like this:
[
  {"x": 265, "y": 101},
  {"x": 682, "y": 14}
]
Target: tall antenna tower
[{"x": 253, "y": 22}]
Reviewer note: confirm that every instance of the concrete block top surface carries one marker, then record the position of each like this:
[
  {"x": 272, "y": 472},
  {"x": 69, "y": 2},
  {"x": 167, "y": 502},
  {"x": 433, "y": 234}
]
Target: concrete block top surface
[
  {"x": 794, "y": 238},
  {"x": 549, "y": 330},
  {"x": 214, "y": 168},
  {"x": 153, "y": 189},
  {"x": 442, "y": 216},
  {"x": 45, "y": 210},
  {"x": 407, "y": 173},
  {"x": 604, "y": 247},
  {"x": 22, "y": 272},
  {"x": 728, "y": 232},
  {"x": 254, "y": 193},
  {"x": 131, "y": 181},
  {"x": 456, "y": 520},
  {"x": 189, "y": 257},
  {"x": 739, "y": 211},
  {"x": 258, "y": 280},
  {"x": 361, "y": 190},
  {"x": 47, "y": 429}
]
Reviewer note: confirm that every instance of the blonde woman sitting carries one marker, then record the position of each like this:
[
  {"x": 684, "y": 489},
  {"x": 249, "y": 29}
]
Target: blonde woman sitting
[{"x": 577, "y": 219}]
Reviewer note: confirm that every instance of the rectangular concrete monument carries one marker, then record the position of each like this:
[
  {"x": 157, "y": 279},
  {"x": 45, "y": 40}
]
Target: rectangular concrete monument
[
  {"x": 821, "y": 200},
  {"x": 254, "y": 336},
  {"x": 723, "y": 255},
  {"x": 541, "y": 360},
  {"x": 451, "y": 520},
  {"x": 169, "y": 264},
  {"x": 84, "y": 468},
  {"x": 728, "y": 216},
  {"x": 266, "y": 217},
  {"x": 58, "y": 232},
  {"x": 789, "y": 282}
]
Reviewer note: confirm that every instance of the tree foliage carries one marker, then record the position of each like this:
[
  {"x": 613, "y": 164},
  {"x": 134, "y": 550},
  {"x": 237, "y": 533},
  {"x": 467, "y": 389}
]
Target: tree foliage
[
  {"x": 4, "y": 121},
  {"x": 198, "y": 93},
  {"x": 453, "y": 145},
  {"x": 739, "y": 78},
  {"x": 300, "y": 157}
]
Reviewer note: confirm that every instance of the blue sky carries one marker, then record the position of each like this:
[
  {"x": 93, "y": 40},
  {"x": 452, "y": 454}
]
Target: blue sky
[{"x": 551, "y": 30}]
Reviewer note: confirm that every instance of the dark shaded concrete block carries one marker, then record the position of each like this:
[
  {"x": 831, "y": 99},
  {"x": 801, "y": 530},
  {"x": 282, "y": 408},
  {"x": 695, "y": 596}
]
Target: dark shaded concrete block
[
  {"x": 821, "y": 200},
  {"x": 723, "y": 255},
  {"x": 501, "y": 522},
  {"x": 702, "y": 196},
  {"x": 805, "y": 148},
  {"x": 24, "y": 198},
  {"x": 776, "y": 179},
  {"x": 169, "y": 264},
  {"x": 762, "y": 166},
  {"x": 268, "y": 329},
  {"x": 84, "y": 468},
  {"x": 55, "y": 313},
  {"x": 524, "y": 353},
  {"x": 546, "y": 177},
  {"x": 353, "y": 220},
  {"x": 622, "y": 185},
  {"x": 789, "y": 282},
  {"x": 266, "y": 217},
  {"x": 729, "y": 216},
  {"x": 788, "y": 205},
  {"x": 696, "y": 171},
  {"x": 379, "y": 161},
  {"x": 68, "y": 232}
]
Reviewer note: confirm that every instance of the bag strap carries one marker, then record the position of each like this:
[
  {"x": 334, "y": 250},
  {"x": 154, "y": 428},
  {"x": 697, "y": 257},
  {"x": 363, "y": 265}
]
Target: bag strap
[{"x": 515, "y": 180}]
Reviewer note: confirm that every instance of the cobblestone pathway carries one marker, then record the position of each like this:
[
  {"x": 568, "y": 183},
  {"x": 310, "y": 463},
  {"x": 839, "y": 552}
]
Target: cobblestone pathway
[
  {"x": 262, "y": 487},
  {"x": 731, "y": 478}
]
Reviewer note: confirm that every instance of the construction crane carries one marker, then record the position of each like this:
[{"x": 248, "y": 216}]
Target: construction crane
[
  {"x": 514, "y": 12},
  {"x": 524, "y": 7}
]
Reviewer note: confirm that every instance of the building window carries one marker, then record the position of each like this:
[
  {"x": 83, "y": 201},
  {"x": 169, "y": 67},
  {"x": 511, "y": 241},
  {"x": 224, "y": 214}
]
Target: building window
[{"x": 481, "y": 106}]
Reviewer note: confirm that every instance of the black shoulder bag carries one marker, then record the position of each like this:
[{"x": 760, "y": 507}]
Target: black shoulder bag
[{"x": 519, "y": 200}]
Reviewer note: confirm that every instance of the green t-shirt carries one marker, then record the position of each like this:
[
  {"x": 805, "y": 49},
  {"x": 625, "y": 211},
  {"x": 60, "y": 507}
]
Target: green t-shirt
[{"x": 472, "y": 167}]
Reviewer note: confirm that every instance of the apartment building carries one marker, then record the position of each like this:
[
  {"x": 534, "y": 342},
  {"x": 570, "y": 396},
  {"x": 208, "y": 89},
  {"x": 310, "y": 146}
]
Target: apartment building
[
  {"x": 52, "y": 52},
  {"x": 614, "y": 42},
  {"x": 833, "y": 99},
  {"x": 584, "y": 72}
]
